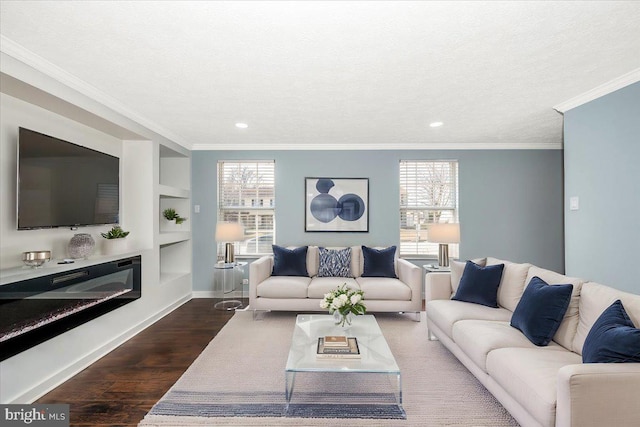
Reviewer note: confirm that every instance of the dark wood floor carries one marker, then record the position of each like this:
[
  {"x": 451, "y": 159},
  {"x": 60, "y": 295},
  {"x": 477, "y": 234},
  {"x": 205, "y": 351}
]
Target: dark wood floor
[{"x": 120, "y": 388}]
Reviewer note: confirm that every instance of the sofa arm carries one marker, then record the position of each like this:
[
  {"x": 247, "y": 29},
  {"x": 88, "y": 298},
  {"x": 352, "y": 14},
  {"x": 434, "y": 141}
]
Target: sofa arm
[
  {"x": 410, "y": 274},
  {"x": 259, "y": 271},
  {"x": 437, "y": 285},
  {"x": 598, "y": 394}
]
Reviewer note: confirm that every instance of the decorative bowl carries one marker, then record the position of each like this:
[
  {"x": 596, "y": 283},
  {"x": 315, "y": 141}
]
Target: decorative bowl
[{"x": 36, "y": 258}]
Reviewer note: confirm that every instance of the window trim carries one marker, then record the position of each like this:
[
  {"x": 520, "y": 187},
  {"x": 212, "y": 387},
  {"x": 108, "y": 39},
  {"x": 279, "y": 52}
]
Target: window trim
[
  {"x": 454, "y": 207},
  {"x": 248, "y": 209}
]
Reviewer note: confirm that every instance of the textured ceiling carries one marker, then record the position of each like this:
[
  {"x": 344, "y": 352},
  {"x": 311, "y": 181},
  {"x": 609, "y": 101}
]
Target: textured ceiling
[{"x": 337, "y": 74}]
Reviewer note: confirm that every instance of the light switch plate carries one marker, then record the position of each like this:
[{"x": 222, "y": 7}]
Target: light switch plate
[{"x": 574, "y": 203}]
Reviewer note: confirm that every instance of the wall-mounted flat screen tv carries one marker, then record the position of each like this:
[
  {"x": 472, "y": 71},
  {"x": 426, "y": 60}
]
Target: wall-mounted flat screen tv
[{"x": 61, "y": 184}]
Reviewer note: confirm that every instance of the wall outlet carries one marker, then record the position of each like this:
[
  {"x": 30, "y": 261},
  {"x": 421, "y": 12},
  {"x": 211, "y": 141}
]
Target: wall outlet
[{"x": 245, "y": 281}]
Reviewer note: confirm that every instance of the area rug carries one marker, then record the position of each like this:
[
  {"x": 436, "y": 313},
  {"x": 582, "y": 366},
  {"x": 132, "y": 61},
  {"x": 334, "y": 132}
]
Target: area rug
[{"x": 239, "y": 380}]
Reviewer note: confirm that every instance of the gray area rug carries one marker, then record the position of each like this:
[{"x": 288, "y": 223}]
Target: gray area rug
[{"x": 239, "y": 380}]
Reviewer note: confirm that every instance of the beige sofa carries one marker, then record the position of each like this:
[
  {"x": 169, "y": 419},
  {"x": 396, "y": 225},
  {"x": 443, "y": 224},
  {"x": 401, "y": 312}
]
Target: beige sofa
[
  {"x": 297, "y": 293},
  {"x": 539, "y": 386}
]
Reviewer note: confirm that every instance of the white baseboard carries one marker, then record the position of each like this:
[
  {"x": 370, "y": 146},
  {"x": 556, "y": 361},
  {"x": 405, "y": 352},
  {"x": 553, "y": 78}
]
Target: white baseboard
[
  {"x": 202, "y": 294},
  {"x": 66, "y": 373},
  {"x": 211, "y": 294}
]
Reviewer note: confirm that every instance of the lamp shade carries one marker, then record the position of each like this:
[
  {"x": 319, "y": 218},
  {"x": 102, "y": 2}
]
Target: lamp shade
[
  {"x": 229, "y": 232},
  {"x": 443, "y": 233}
]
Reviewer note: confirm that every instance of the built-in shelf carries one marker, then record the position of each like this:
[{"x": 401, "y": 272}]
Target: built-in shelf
[
  {"x": 173, "y": 192},
  {"x": 167, "y": 238},
  {"x": 167, "y": 278}
]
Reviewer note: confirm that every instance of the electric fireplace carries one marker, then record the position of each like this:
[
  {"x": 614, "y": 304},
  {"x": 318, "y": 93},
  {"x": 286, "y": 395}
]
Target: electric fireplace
[{"x": 35, "y": 310}]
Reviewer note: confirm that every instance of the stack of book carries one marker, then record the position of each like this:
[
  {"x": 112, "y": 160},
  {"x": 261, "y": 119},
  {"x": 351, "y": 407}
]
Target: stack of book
[{"x": 338, "y": 347}]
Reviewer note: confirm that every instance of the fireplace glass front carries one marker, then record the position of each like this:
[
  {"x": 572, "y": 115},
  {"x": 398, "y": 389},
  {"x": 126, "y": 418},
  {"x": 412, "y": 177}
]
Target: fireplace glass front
[{"x": 35, "y": 310}]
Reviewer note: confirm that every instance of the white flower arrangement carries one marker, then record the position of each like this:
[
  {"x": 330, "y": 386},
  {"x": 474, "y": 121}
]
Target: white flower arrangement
[{"x": 345, "y": 301}]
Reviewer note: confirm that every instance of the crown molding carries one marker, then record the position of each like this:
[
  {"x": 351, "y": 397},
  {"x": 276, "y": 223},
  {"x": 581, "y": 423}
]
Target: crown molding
[
  {"x": 413, "y": 146},
  {"x": 38, "y": 63},
  {"x": 603, "y": 89}
]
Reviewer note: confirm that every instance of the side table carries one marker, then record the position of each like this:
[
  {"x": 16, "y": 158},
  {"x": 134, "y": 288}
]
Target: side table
[
  {"x": 431, "y": 268},
  {"x": 227, "y": 279}
]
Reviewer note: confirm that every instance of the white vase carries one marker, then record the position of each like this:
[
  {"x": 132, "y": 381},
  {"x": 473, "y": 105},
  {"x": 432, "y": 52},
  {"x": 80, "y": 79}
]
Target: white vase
[
  {"x": 169, "y": 224},
  {"x": 115, "y": 246}
]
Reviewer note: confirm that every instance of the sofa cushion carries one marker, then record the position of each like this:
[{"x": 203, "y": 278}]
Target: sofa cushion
[
  {"x": 289, "y": 262},
  {"x": 334, "y": 262},
  {"x": 594, "y": 299},
  {"x": 540, "y": 310},
  {"x": 445, "y": 313},
  {"x": 323, "y": 285},
  {"x": 457, "y": 268},
  {"x": 477, "y": 338},
  {"x": 569, "y": 324},
  {"x": 529, "y": 375},
  {"x": 379, "y": 262},
  {"x": 384, "y": 288},
  {"x": 613, "y": 338},
  {"x": 312, "y": 260},
  {"x": 479, "y": 285},
  {"x": 513, "y": 282},
  {"x": 284, "y": 287}
]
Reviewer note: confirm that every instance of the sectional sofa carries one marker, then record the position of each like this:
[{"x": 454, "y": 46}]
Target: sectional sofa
[
  {"x": 304, "y": 292},
  {"x": 540, "y": 385}
]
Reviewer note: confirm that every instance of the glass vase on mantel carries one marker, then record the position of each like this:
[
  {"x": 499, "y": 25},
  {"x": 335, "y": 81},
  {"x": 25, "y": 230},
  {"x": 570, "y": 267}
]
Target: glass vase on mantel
[{"x": 343, "y": 320}]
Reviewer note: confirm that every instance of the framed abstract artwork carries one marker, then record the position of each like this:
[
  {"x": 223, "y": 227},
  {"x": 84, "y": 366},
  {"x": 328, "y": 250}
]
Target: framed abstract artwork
[{"x": 337, "y": 204}]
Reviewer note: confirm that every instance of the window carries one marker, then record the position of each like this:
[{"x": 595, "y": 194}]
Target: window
[
  {"x": 428, "y": 194},
  {"x": 240, "y": 185}
]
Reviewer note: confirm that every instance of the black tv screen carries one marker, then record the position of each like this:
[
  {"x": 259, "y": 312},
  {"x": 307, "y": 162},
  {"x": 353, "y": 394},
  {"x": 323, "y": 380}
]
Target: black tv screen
[{"x": 61, "y": 184}]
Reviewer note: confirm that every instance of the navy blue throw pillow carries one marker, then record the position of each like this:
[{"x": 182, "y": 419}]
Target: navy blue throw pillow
[
  {"x": 479, "y": 285},
  {"x": 540, "y": 311},
  {"x": 289, "y": 262},
  {"x": 613, "y": 338},
  {"x": 379, "y": 262}
]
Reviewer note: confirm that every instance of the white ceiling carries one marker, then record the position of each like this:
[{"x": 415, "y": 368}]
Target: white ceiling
[{"x": 338, "y": 74}]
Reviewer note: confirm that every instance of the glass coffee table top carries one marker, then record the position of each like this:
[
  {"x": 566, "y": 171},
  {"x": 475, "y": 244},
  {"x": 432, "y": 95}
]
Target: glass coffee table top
[
  {"x": 375, "y": 353},
  {"x": 376, "y": 357}
]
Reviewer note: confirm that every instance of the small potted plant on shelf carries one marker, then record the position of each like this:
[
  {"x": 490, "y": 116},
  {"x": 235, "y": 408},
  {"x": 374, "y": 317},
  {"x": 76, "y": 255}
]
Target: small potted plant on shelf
[
  {"x": 115, "y": 242},
  {"x": 172, "y": 217}
]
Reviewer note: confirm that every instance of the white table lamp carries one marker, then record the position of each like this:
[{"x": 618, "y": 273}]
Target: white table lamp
[
  {"x": 229, "y": 232},
  {"x": 443, "y": 234}
]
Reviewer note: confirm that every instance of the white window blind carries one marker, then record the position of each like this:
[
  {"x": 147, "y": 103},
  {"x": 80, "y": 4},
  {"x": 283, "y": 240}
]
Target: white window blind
[
  {"x": 428, "y": 194},
  {"x": 246, "y": 194}
]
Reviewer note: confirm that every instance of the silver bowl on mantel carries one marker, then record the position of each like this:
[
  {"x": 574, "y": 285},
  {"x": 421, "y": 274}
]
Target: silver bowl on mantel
[{"x": 36, "y": 258}]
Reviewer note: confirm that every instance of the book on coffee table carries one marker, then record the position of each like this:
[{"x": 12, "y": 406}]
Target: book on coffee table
[
  {"x": 352, "y": 351},
  {"x": 336, "y": 341}
]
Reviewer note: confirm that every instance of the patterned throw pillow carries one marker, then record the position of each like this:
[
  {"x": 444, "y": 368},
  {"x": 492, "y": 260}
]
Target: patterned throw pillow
[{"x": 335, "y": 262}]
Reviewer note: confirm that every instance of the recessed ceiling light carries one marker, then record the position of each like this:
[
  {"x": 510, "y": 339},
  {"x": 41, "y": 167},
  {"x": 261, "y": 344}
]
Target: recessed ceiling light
[
  {"x": 436, "y": 124},
  {"x": 242, "y": 125}
]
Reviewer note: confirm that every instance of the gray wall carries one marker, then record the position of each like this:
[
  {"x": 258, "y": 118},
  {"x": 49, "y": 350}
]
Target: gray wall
[
  {"x": 510, "y": 201},
  {"x": 602, "y": 151}
]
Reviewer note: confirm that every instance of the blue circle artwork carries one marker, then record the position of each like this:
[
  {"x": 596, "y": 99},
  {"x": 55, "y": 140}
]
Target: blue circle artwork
[
  {"x": 351, "y": 207},
  {"x": 324, "y": 185},
  {"x": 324, "y": 207}
]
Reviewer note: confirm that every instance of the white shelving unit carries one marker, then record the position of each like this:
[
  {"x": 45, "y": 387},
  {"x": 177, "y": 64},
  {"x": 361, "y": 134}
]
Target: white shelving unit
[{"x": 174, "y": 191}]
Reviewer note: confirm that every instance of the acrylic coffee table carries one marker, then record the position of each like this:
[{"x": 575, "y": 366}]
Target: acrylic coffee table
[{"x": 376, "y": 357}]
